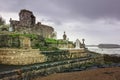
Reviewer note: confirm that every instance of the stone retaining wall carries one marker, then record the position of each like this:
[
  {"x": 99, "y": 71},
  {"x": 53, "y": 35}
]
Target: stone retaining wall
[
  {"x": 32, "y": 56},
  {"x": 34, "y": 71},
  {"x": 64, "y": 54},
  {"x": 20, "y": 56}
]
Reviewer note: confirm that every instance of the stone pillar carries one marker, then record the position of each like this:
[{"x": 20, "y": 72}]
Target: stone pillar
[{"x": 25, "y": 42}]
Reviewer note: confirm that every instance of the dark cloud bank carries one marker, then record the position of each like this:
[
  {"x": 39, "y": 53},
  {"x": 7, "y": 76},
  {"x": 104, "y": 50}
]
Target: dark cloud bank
[
  {"x": 87, "y": 12},
  {"x": 66, "y": 8}
]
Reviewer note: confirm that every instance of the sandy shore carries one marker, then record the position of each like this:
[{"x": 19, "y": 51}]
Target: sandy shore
[{"x": 96, "y": 74}]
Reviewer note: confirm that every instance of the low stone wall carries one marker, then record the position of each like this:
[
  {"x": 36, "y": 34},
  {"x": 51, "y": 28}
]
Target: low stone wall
[{"x": 20, "y": 56}]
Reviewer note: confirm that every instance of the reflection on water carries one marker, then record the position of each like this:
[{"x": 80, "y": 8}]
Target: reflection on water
[{"x": 104, "y": 50}]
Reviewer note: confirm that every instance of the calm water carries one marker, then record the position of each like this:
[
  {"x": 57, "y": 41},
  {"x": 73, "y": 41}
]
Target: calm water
[{"x": 105, "y": 51}]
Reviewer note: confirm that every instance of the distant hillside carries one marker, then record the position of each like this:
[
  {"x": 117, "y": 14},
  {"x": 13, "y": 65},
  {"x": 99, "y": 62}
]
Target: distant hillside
[{"x": 109, "y": 46}]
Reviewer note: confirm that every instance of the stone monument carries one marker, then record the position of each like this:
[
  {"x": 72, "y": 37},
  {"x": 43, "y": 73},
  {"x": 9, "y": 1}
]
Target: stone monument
[
  {"x": 11, "y": 26},
  {"x": 83, "y": 43},
  {"x": 64, "y": 36},
  {"x": 77, "y": 44}
]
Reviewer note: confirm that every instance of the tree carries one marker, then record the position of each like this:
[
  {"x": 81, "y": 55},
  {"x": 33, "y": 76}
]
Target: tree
[{"x": 2, "y": 21}]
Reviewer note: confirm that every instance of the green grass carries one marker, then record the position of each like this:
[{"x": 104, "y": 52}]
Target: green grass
[
  {"x": 54, "y": 41},
  {"x": 32, "y": 36}
]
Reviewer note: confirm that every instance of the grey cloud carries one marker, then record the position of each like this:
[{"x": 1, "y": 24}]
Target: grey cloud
[
  {"x": 67, "y": 8},
  {"x": 92, "y": 8},
  {"x": 68, "y": 11}
]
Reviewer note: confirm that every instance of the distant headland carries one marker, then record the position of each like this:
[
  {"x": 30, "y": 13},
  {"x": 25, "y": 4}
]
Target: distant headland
[{"x": 109, "y": 46}]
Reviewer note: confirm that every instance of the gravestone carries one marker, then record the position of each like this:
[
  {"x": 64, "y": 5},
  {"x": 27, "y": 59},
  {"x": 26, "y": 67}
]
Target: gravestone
[
  {"x": 83, "y": 43},
  {"x": 77, "y": 44}
]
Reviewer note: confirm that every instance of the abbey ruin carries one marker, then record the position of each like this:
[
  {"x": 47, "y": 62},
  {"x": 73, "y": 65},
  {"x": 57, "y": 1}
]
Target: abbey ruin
[{"x": 27, "y": 24}]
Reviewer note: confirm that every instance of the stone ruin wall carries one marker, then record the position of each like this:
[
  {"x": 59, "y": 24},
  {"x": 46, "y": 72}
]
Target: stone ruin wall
[
  {"x": 26, "y": 18},
  {"x": 44, "y": 30},
  {"x": 27, "y": 24},
  {"x": 8, "y": 41}
]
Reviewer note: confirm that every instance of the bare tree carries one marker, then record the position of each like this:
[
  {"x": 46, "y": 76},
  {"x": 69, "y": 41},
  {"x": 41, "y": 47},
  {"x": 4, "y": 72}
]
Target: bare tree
[{"x": 2, "y": 21}]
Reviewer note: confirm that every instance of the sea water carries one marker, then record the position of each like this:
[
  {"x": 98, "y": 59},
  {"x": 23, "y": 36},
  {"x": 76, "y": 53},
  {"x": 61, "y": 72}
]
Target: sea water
[{"x": 105, "y": 50}]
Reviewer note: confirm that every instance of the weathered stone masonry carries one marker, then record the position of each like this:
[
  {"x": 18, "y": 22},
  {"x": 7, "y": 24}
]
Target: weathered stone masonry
[
  {"x": 31, "y": 56},
  {"x": 27, "y": 24}
]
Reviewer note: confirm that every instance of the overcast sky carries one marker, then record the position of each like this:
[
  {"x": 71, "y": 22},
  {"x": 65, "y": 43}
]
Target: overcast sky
[{"x": 98, "y": 21}]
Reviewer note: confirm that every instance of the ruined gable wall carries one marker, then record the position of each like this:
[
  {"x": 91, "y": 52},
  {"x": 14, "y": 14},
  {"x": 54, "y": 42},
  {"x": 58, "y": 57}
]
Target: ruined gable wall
[{"x": 27, "y": 18}]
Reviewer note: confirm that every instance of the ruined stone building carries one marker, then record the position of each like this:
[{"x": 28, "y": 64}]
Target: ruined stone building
[{"x": 27, "y": 24}]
